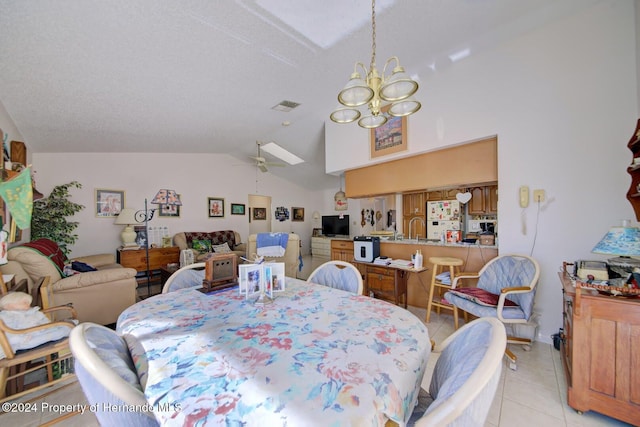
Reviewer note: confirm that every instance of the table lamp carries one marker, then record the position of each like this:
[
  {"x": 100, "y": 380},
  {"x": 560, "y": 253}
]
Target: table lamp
[
  {"x": 127, "y": 218},
  {"x": 624, "y": 242}
]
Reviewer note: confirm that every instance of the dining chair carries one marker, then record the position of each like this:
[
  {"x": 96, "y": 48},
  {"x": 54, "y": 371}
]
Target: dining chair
[
  {"x": 27, "y": 350},
  {"x": 505, "y": 290},
  {"x": 108, "y": 376},
  {"x": 338, "y": 275},
  {"x": 465, "y": 376},
  {"x": 189, "y": 276}
]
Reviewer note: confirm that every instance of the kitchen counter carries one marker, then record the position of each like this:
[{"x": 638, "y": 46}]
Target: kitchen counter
[{"x": 474, "y": 257}]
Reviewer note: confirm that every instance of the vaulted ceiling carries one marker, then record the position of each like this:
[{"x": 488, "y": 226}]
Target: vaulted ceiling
[{"x": 202, "y": 76}]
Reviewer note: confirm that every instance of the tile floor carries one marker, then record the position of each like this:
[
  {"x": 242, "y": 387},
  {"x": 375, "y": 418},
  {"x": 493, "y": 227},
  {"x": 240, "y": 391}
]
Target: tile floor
[{"x": 533, "y": 395}]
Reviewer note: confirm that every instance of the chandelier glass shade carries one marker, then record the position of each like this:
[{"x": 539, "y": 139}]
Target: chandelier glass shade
[{"x": 395, "y": 90}]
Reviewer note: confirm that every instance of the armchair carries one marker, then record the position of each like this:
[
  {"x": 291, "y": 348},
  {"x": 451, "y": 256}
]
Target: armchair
[
  {"x": 506, "y": 290},
  {"x": 291, "y": 254},
  {"x": 97, "y": 296}
]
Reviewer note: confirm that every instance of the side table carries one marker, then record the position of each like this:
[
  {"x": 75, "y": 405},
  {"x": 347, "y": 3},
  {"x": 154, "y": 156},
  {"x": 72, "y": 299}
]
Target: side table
[{"x": 158, "y": 257}]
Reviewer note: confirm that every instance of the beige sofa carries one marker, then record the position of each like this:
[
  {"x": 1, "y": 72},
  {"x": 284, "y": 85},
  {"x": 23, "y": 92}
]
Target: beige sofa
[
  {"x": 291, "y": 256},
  {"x": 184, "y": 240},
  {"x": 97, "y": 296}
]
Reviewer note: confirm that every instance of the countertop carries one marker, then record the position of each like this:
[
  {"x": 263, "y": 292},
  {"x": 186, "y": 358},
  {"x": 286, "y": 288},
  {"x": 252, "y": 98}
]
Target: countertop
[{"x": 421, "y": 242}]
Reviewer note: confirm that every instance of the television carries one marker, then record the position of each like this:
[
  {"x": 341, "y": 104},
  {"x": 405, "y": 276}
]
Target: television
[{"x": 333, "y": 225}]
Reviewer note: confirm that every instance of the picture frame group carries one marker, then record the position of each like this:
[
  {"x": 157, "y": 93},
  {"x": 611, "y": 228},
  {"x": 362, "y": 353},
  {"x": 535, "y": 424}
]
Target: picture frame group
[{"x": 268, "y": 277}]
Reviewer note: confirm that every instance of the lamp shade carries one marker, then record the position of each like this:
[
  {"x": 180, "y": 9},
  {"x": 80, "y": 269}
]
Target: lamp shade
[
  {"x": 126, "y": 217},
  {"x": 621, "y": 241},
  {"x": 167, "y": 197}
]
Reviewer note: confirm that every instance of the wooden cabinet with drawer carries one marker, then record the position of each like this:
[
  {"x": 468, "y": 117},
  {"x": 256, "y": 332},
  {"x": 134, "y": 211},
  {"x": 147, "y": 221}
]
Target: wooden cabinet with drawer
[
  {"x": 389, "y": 284},
  {"x": 342, "y": 250}
]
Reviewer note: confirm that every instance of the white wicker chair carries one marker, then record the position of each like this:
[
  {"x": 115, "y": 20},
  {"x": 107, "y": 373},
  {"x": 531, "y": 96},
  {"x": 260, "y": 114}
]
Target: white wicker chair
[
  {"x": 465, "y": 377},
  {"x": 339, "y": 275}
]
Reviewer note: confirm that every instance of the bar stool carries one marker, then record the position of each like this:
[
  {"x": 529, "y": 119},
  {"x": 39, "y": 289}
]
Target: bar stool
[{"x": 440, "y": 264}]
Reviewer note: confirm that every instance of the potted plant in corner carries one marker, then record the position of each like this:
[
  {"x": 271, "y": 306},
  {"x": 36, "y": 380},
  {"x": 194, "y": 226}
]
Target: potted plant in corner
[{"x": 49, "y": 217}]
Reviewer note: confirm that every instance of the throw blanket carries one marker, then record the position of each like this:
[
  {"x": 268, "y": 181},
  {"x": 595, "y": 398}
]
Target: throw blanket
[
  {"x": 271, "y": 244},
  {"x": 51, "y": 250}
]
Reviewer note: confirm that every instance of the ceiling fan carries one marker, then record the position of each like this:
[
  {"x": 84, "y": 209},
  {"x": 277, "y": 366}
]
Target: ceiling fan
[{"x": 261, "y": 162}]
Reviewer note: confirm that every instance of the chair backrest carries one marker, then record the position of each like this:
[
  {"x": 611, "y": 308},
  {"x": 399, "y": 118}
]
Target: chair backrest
[
  {"x": 189, "y": 276},
  {"x": 338, "y": 275},
  {"x": 107, "y": 375},
  {"x": 509, "y": 271},
  {"x": 465, "y": 378}
]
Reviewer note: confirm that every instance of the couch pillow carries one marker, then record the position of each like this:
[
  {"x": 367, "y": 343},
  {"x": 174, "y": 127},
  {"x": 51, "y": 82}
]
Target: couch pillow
[
  {"x": 201, "y": 245},
  {"x": 221, "y": 249}
]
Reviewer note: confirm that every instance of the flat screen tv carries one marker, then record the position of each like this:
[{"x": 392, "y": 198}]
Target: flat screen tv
[{"x": 333, "y": 225}]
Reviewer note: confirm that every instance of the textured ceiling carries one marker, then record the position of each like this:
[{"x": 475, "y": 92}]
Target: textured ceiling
[{"x": 201, "y": 76}]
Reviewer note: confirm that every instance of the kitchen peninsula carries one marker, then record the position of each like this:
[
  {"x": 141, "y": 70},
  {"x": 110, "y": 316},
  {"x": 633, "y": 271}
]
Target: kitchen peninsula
[{"x": 474, "y": 257}]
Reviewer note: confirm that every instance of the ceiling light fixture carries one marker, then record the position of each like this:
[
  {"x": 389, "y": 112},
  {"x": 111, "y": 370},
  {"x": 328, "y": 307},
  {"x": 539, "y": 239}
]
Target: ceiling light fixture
[{"x": 397, "y": 89}]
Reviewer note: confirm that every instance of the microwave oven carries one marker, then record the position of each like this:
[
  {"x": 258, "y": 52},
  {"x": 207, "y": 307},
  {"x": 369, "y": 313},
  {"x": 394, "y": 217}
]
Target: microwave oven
[{"x": 482, "y": 226}]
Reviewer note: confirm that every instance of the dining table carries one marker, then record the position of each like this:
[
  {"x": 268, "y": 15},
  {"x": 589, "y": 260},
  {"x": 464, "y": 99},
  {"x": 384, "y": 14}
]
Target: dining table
[{"x": 315, "y": 356}]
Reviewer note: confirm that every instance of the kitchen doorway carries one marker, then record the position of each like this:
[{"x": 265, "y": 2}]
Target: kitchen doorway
[{"x": 259, "y": 214}]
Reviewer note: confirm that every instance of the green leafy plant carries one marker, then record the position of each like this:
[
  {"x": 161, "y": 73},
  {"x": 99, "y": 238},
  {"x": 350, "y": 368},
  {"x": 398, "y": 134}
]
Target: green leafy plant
[{"x": 49, "y": 217}]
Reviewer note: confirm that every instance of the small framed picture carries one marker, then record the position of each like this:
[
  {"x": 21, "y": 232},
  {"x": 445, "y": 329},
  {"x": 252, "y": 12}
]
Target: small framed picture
[
  {"x": 169, "y": 210},
  {"x": 298, "y": 214},
  {"x": 250, "y": 279},
  {"x": 260, "y": 213},
  {"x": 277, "y": 276},
  {"x": 237, "y": 209},
  {"x": 216, "y": 207},
  {"x": 109, "y": 203}
]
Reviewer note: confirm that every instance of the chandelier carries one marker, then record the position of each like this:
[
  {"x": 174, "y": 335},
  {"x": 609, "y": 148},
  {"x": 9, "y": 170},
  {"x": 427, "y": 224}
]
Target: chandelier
[{"x": 396, "y": 89}]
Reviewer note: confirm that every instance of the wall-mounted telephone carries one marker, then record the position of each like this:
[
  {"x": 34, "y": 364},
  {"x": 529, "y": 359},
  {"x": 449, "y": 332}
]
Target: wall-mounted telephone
[{"x": 524, "y": 196}]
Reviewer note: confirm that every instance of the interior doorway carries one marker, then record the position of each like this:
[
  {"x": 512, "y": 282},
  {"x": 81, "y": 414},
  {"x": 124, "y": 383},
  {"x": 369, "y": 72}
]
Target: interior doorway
[{"x": 259, "y": 214}]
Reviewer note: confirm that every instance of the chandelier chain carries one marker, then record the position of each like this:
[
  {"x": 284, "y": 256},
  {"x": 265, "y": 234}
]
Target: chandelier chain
[{"x": 373, "y": 35}]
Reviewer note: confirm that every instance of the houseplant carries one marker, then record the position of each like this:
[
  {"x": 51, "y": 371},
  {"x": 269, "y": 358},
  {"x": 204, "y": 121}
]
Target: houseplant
[{"x": 49, "y": 217}]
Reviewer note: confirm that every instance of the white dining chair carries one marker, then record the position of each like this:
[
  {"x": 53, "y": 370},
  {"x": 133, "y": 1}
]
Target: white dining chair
[
  {"x": 465, "y": 377},
  {"x": 189, "y": 276},
  {"x": 108, "y": 376},
  {"x": 338, "y": 275}
]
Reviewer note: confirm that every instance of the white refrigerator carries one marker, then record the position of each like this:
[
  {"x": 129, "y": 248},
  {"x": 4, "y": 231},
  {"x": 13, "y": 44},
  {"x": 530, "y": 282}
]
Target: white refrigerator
[{"x": 443, "y": 216}]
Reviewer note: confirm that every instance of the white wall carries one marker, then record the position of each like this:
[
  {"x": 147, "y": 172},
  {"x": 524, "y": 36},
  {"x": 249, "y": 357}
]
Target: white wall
[
  {"x": 194, "y": 176},
  {"x": 563, "y": 101}
]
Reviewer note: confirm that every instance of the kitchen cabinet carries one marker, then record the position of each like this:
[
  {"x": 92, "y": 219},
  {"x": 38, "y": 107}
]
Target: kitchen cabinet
[
  {"x": 599, "y": 351},
  {"x": 633, "y": 195},
  {"x": 342, "y": 250},
  {"x": 484, "y": 200},
  {"x": 321, "y": 247},
  {"x": 447, "y": 194},
  {"x": 413, "y": 205}
]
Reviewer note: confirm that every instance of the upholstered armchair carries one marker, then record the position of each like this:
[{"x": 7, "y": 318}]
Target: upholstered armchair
[
  {"x": 97, "y": 296},
  {"x": 291, "y": 257}
]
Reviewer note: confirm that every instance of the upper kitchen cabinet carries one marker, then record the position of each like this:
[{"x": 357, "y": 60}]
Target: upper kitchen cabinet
[
  {"x": 484, "y": 200},
  {"x": 633, "y": 195},
  {"x": 436, "y": 195},
  {"x": 413, "y": 204}
]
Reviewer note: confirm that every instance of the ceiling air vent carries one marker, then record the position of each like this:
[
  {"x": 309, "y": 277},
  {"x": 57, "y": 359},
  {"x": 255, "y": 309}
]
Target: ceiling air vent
[{"x": 285, "y": 106}]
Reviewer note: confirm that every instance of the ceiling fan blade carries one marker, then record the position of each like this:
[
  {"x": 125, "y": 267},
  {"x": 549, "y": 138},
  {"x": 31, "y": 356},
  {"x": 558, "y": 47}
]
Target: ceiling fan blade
[
  {"x": 280, "y": 165},
  {"x": 258, "y": 159},
  {"x": 262, "y": 167}
]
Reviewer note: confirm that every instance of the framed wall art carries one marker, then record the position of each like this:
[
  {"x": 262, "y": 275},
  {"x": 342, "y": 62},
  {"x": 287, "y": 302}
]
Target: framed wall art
[
  {"x": 237, "y": 209},
  {"x": 109, "y": 203},
  {"x": 260, "y": 213},
  {"x": 169, "y": 210},
  {"x": 216, "y": 207},
  {"x": 298, "y": 214},
  {"x": 389, "y": 138}
]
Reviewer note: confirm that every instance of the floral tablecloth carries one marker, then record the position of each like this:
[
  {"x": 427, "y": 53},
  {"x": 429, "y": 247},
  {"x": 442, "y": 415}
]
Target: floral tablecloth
[{"x": 315, "y": 356}]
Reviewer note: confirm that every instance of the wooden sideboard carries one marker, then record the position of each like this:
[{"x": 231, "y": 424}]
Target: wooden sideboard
[
  {"x": 600, "y": 351},
  {"x": 158, "y": 258}
]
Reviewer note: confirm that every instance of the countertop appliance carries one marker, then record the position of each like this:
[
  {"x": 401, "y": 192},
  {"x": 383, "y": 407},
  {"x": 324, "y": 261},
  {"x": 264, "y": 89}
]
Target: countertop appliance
[
  {"x": 366, "y": 248},
  {"x": 442, "y": 215}
]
